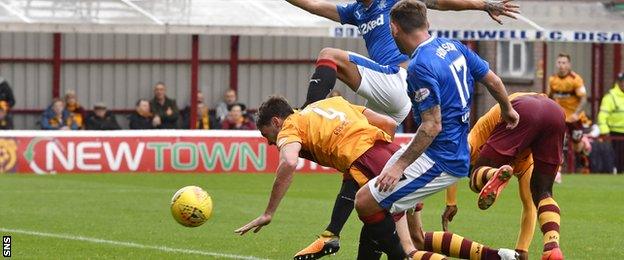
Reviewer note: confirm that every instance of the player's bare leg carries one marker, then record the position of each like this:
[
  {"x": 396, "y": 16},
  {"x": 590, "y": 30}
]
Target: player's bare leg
[
  {"x": 547, "y": 208},
  {"x": 414, "y": 221},
  {"x": 529, "y": 215},
  {"x": 332, "y": 63}
]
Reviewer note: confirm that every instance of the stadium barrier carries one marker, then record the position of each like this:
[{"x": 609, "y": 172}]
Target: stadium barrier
[{"x": 146, "y": 151}]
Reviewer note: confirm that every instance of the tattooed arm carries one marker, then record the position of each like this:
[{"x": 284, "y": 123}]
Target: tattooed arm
[
  {"x": 495, "y": 8},
  {"x": 430, "y": 127}
]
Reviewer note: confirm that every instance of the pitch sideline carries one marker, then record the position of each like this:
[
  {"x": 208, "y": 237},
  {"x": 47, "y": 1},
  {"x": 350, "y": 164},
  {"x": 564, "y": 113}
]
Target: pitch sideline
[{"x": 128, "y": 244}]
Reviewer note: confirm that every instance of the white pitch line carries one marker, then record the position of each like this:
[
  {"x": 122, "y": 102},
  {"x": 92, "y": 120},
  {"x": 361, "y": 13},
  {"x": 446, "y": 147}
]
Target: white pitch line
[{"x": 129, "y": 244}]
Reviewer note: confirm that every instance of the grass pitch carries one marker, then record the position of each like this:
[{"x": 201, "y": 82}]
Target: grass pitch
[{"x": 127, "y": 216}]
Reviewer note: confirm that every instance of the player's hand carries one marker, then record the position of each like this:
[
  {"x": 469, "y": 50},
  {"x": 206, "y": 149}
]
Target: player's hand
[
  {"x": 496, "y": 8},
  {"x": 389, "y": 178},
  {"x": 257, "y": 223},
  {"x": 447, "y": 216},
  {"x": 511, "y": 117},
  {"x": 169, "y": 111}
]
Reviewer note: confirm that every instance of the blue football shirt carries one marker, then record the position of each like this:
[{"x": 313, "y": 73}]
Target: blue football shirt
[
  {"x": 443, "y": 72},
  {"x": 374, "y": 25}
]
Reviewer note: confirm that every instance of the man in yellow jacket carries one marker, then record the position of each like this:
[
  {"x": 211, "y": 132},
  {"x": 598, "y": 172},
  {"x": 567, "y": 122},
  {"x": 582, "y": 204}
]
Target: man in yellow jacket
[{"x": 611, "y": 119}]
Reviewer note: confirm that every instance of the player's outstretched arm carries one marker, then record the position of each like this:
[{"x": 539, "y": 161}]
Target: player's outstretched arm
[
  {"x": 495, "y": 8},
  {"x": 383, "y": 122},
  {"x": 497, "y": 89},
  {"x": 289, "y": 155},
  {"x": 430, "y": 127},
  {"x": 318, "y": 7}
]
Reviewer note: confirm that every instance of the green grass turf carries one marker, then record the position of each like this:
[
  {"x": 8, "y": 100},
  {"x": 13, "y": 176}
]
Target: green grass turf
[{"x": 135, "y": 208}]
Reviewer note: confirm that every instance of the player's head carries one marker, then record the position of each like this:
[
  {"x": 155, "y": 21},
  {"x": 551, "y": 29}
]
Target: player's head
[
  {"x": 407, "y": 19},
  {"x": 564, "y": 63},
  {"x": 271, "y": 116},
  {"x": 620, "y": 80}
]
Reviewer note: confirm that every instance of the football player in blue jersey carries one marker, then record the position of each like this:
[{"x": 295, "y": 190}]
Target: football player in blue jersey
[
  {"x": 441, "y": 74},
  {"x": 380, "y": 79}
]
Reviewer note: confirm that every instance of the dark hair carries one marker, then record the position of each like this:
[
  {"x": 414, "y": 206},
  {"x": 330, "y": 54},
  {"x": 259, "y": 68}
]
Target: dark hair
[
  {"x": 141, "y": 100},
  {"x": 410, "y": 15},
  {"x": 275, "y": 106},
  {"x": 565, "y": 55},
  {"x": 241, "y": 105}
]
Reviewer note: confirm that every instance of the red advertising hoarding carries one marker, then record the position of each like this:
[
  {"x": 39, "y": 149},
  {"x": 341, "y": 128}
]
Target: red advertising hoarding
[{"x": 171, "y": 151}]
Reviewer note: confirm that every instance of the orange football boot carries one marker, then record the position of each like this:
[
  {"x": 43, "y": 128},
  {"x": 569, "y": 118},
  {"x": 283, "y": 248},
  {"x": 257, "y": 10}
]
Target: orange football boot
[
  {"x": 327, "y": 243},
  {"x": 494, "y": 186}
]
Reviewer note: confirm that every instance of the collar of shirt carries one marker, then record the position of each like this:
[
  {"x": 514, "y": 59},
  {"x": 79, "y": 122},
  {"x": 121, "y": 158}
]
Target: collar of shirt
[{"x": 431, "y": 38}]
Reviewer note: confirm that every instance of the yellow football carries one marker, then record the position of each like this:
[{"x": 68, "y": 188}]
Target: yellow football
[{"x": 191, "y": 206}]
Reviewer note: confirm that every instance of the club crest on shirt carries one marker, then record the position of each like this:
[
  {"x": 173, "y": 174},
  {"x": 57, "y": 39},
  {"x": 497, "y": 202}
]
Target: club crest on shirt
[
  {"x": 421, "y": 94},
  {"x": 358, "y": 14},
  {"x": 382, "y": 5}
]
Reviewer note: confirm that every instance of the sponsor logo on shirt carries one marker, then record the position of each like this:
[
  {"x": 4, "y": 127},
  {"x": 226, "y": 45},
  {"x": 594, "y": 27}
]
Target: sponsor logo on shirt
[{"x": 370, "y": 25}]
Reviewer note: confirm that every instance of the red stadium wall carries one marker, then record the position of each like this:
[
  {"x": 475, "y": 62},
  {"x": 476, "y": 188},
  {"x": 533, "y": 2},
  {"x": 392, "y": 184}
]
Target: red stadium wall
[{"x": 179, "y": 151}]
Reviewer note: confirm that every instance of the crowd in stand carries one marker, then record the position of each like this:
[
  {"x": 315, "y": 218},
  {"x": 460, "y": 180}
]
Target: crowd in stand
[{"x": 160, "y": 112}]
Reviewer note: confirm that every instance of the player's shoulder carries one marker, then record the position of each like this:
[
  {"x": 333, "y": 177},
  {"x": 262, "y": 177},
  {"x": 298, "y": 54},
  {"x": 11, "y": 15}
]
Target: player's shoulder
[
  {"x": 576, "y": 77},
  {"x": 429, "y": 54},
  {"x": 293, "y": 119},
  {"x": 332, "y": 101}
]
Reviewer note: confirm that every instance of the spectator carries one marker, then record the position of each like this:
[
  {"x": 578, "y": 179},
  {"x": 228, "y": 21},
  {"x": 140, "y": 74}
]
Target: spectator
[
  {"x": 76, "y": 110},
  {"x": 164, "y": 108},
  {"x": 6, "y": 94},
  {"x": 204, "y": 119},
  {"x": 101, "y": 119},
  {"x": 6, "y": 122},
  {"x": 611, "y": 120},
  {"x": 142, "y": 118},
  {"x": 223, "y": 108},
  {"x": 237, "y": 121},
  {"x": 56, "y": 117}
]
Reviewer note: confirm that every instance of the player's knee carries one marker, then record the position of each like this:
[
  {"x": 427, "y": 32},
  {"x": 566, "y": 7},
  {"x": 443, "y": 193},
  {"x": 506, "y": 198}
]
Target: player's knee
[
  {"x": 333, "y": 54},
  {"x": 364, "y": 201},
  {"x": 540, "y": 194}
]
